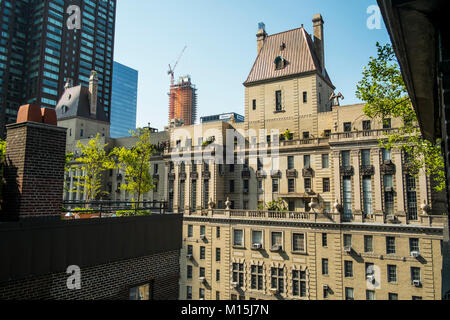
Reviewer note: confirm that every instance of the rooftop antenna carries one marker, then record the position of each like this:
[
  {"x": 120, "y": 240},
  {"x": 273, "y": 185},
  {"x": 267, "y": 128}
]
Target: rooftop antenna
[{"x": 171, "y": 71}]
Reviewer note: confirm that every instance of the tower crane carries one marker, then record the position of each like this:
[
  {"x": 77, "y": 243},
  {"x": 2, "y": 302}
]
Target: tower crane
[{"x": 171, "y": 71}]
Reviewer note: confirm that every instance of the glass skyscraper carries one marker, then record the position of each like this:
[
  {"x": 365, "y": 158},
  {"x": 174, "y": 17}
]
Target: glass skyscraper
[
  {"x": 39, "y": 53},
  {"x": 123, "y": 100}
]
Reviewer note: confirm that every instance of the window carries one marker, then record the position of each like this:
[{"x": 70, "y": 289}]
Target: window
[
  {"x": 414, "y": 245},
  {"x": 217, "y": 275},
  {"x": 347, "y": 240},
  {"x": 280, "y": 63},
  {"x": 388, "y": 194},
  {"x": 189, "y": 293},
  {"x": 345, "y": 155},
  {"x": 367, "y": 125},
  {"x": 202, "y": 253},
  {"x": 325, "y": 292},
  {"x": 277, "y": 279},
  {"x": 217, "y": 254},
  {"x": 365, "y": 158},
  {"x": 368, "y": 244},
  {"x": 411, "y": 198},
  {"x": 308, "y": 183},
  {"x": 393, "y": 296},
  {"x": 324, "y": 240},
  {"x": 231, "y": 186},
  {"x": 298, "y": 242},
  {"x": 349, "y": 294},
  {"x": 201, "y": 293},
  {"x": 369, "y": 269},
  {"x": 307, "y": 161},
  {"x": 278, "y": 101},
  {"x": 257, "y": 278},
  {"x": 325, "y": 267},
  {"x": 367, "y": 195},
  {"x": 390, "y": 245},
  {"x": 218, "y": 232},
  {"x": 392, "y": 273},
  {"x": 326, "y": 185},
  {"x": 238, "y": 273},
  {"x": 325, "y": 161},
  {"x": 305, "y": 97},
  {"x": 189, "y": 249},
  {"x": 254, "y": 104},
  {"x": 387, "y": 155},
  {"x": 290, "y": 163},
  {"x": 327, "y": 133},
  {"x": 370, "y": 295},
  {"x": 348, "y": 269},
  {"x": 202, "y": 272},
  {"x": 277, "y": 239},
  {"x": 202, "y": 231},
  {"x": 299, "y": 283},
  {"x": 291, "y": 185},
  {"x": 257, "y": 237},
  {"x": 306, "y": 135},
  {"x": 416, "y": 298},
  {"x": 238, "y": 238},
  {"x": 275, "y": 185},
  {"x": 387, "y": 124},
  {"x": 189, "y": 272},
  {"x": 347, "y": 127},
  {"x": 347, "y": 195},
  {"x": 140, "y": 293},
  {"x": 190, "y": 231},
  {"x": 217, "y": 296},
  {"x": 415, "y": 274}
]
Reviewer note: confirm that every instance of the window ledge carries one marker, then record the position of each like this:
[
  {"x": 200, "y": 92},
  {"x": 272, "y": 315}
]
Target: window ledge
[
  {"x": 302, "y": 253},
  {"x": 279, "y": 111}
]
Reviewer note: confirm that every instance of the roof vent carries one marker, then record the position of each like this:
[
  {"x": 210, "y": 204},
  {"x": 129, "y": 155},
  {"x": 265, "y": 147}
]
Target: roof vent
[{"x": 283, "y": 46}]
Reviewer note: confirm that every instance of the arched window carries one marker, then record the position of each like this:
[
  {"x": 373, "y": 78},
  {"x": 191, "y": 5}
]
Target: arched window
[{"x": 280, "y": 63}]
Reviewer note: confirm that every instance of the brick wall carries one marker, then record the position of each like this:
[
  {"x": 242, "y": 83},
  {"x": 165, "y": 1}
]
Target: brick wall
[
  {"x": 34, "y": 173},
  {"x": 104, "y": 282}
]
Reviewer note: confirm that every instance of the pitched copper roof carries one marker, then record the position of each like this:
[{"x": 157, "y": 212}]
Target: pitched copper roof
[{"x": 299, "y": 53}]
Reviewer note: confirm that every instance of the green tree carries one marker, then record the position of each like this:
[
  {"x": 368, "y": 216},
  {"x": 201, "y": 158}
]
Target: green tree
[
  {"x": 135, "y": 162},
  {"x": 384, "y": 91},
  {"x": 92, "y": 163}
]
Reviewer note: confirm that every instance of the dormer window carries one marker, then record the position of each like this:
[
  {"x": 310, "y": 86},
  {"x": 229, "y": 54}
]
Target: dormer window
[
  {"x": 65, "y": 109},
  {"x": 280, "y": 63}
]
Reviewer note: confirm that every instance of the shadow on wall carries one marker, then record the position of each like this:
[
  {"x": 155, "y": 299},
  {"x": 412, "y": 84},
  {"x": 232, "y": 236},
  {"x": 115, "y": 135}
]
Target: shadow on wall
[{"x": 10, "y": 193}]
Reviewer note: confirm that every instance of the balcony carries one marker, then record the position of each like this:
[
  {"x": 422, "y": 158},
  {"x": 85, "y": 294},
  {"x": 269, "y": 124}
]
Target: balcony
[
  {"x": 367, "y": 170},
  {"x": 206, "y": 175},
  {"x": 182, "y": 176},
  {"x": 292, "y": 173},
  {"x": 361, "y": 135},
  {"x": 388, "y": 167},
  {"x": 194, "y": 175},
  {"x": 261, "y": 174},
  {"x": 276, "y": 174},
  {"x": 347, "y": 171},
  {"x": 308, "y": 173}
]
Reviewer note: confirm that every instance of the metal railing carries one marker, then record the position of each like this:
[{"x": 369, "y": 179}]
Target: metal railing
[{"x": 108, "y": 209}]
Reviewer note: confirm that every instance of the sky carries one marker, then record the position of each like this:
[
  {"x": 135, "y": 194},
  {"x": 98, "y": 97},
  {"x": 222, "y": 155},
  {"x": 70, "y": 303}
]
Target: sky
[{"x": 221, "y": 46}]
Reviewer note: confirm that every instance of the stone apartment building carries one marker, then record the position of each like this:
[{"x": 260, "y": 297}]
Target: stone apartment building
[{"x": 358, "y": 226}]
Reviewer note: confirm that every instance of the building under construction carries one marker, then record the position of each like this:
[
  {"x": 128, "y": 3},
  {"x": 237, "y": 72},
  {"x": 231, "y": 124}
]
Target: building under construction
[{"x": 183, "y": 101}]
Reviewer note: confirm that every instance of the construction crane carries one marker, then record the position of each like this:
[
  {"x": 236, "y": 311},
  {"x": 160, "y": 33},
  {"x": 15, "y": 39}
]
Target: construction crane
[{"x": 171, "y": 71}]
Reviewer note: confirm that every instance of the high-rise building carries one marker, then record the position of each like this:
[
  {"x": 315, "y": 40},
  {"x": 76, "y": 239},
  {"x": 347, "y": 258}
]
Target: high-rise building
[
  {"x": 39, "y": 52},
  {"x": 123, "y": 100},
  {"x": 183, "y": 101}
]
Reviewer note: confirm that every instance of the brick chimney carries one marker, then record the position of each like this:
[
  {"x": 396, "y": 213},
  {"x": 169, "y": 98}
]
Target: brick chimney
[
  {"x": 261, "y": 36},
  {"x": 319, "y": 40},
  {"x": 93, "y": 92},
  {"x": 34, "y": 165}
]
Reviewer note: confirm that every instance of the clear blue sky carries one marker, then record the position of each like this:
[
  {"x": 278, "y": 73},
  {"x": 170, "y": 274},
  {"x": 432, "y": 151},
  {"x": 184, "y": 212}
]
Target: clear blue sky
[{"x": 221, "y": 40}]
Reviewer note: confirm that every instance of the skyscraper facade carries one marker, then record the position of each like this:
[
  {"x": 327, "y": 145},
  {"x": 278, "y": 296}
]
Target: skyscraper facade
[
  {"x": 183, "y": 101},
  {"x": 124, "y": 100},
  {"x": 42, "y": 47}
]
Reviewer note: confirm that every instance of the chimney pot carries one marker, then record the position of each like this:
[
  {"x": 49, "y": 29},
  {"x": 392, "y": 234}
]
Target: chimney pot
[
  {"x": 319, "y": 39},
  {"x": 261, "y": 36}
]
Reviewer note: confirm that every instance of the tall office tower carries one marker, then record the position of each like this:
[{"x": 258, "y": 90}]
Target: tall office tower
[
  {"x": 41, "y": 47},
  {"x": 183, "y": 101},
  {"x": 123, "y": 100}
]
